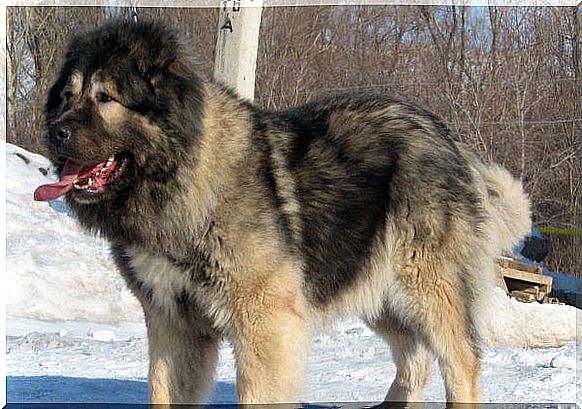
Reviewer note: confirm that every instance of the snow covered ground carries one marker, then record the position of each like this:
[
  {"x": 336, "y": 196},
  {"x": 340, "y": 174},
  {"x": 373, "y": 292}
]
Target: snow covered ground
[
  {"x": 68, "y": 362},
  {"x": 75, "y": 333}
]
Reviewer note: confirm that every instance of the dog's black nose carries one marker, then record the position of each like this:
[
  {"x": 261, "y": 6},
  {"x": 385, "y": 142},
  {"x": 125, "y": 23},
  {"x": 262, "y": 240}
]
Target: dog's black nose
[{"x": 64, "y": 132}]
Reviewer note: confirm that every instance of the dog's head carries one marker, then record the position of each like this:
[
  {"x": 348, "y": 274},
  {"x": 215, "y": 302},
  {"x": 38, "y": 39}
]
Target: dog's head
[{"x": 124, "y": 111}]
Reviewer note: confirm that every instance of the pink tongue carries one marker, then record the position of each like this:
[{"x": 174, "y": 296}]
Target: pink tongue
[{"x": 71, "y": 172}]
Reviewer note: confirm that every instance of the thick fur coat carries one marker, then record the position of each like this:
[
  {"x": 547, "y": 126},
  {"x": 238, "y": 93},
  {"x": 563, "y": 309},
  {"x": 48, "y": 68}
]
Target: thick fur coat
[{"x": 230, "y": 221}]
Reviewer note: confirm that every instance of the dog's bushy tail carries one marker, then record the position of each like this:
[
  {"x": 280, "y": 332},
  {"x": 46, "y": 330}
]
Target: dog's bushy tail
[
  {"x": 508, "y": 220},
  {"x": 508, "y": 207}
]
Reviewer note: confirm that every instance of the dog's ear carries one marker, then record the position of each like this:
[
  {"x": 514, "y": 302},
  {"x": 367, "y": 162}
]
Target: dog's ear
[
  {"x": 167, "y": 64},
  {"x": 174, "y": 67},
  {"x": 154, "y": 48},
  {"x": 178, "y": 68}
]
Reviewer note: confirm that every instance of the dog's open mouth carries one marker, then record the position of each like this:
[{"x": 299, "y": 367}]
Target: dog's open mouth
[
  {"x": 84, "y": 179},
  {"x": 93, "y": 179}
]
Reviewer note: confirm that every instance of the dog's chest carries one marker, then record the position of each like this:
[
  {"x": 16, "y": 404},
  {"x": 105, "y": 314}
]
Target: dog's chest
[{"x": 163, "y": 280}]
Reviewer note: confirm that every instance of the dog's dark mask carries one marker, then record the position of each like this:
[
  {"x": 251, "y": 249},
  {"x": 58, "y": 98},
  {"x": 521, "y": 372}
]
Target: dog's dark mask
[{"x": 124, "y": 110}]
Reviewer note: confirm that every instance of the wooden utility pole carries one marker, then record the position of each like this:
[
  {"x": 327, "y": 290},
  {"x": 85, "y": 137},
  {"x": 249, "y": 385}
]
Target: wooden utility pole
[{"x": 237, "y": 45}]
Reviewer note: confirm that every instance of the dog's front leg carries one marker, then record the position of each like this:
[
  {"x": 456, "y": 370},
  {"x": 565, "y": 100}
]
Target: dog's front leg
[
  {"x": 271, "y": 340},
  {"x": 183, "y": 354}
]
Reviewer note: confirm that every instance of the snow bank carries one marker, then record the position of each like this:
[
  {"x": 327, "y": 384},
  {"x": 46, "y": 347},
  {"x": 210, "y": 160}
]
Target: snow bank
[
  {"x": 529, "y": 325},
  {"x": 58, "y": 272},
  {"x": 54, "y": 270}
]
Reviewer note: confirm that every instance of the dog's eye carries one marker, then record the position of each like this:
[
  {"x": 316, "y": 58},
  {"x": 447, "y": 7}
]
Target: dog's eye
[{"x": 103, "y": 97}]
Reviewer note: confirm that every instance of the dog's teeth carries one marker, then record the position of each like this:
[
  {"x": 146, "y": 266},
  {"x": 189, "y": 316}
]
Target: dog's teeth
[{"x": 90, "y": 182}]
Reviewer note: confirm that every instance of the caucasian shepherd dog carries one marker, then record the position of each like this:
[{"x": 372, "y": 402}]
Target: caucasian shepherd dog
[{"x": 230, "y": 221}]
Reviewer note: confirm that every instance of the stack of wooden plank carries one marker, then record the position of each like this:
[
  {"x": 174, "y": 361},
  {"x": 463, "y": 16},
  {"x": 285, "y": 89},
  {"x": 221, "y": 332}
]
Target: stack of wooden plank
[{"x": 523, "y": 281}]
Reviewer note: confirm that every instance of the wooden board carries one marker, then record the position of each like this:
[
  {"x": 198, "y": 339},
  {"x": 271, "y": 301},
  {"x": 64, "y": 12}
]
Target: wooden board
[
  {"x": 515, "y": 265},
  {"x": 533, "y": 278},
  {"x": 523, "y": 297}
]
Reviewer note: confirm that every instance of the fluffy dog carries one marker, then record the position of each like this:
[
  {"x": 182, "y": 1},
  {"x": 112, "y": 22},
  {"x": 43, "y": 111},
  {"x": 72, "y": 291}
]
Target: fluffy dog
[{"x": 230, "y": 221}]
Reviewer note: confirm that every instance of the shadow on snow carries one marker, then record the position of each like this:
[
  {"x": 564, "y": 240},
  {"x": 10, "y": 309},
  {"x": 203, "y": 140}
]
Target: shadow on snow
[{"x": 53, "y": 389}]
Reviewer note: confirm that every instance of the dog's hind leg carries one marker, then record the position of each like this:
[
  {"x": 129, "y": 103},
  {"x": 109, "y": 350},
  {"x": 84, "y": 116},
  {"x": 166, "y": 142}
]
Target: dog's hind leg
[
  {"x": 434, "y": 305},
  {"x": 446, "y": 324},
  {"x": 450, "y": 325},
  {"x": 459, "y": 361},
  {"x": 413, "y": 359},
  {"x": 183, "y": 354}
]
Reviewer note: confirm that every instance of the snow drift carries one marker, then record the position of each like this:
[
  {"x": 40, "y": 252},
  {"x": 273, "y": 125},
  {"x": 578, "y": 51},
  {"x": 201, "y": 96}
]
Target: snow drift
[{"x": 54, "y": 270}]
